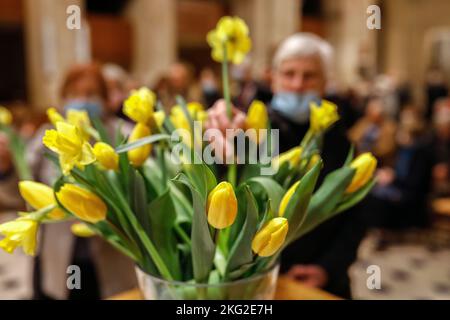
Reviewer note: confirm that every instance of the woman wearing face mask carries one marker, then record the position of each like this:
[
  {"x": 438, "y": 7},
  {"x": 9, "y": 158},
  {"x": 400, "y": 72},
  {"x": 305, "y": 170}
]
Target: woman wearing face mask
[
  {"x": 84, "y": 88},
  {"x": 300, "y": 71}
]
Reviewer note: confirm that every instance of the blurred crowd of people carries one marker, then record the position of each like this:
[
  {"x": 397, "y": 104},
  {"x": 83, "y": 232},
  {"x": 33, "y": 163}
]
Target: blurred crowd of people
[{"x": 410, "y": 141}]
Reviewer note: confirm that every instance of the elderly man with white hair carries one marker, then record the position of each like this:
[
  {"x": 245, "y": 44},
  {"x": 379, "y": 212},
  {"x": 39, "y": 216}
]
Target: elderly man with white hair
[{"x": 302, "y": 66}]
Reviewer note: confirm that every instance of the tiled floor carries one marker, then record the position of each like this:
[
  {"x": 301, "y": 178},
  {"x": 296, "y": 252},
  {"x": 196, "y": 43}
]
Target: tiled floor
[{"x": 414, "y": 265}]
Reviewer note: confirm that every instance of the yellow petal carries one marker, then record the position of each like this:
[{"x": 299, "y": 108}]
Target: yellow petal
[
  {"x": 106, "y": 156},
  {"x": 365, "y": 165},
  {"x": 82, "y": 230},
  {"x": 138, "y": 156},
  {"x": 269, "y": 239},
  {"x": 54, "y": 116},
  {"x": 222, "y": 206},
  {"x": 286, "y": 198},
  {"x": 82, "y": 203}
]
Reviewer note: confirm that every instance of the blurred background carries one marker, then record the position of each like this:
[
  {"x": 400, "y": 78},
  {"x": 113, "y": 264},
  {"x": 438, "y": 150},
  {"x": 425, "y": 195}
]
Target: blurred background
[{"x": 392, "y": 81}]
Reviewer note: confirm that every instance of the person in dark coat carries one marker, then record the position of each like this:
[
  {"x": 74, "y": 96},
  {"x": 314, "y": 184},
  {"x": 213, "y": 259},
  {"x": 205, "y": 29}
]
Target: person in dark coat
[{"x": 301, "y": 68}]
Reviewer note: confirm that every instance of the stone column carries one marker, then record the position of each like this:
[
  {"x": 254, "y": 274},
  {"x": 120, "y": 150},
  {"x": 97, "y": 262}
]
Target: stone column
[
  {"x": 354, "y": 44},
  {"x": 154, "y": 37},
  {"x": 51, "y": 48},
  {"x": 270, "y": 21}
]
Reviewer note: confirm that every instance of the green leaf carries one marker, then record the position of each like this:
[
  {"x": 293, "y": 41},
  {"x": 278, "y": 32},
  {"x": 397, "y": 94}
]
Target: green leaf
[
  {"x": 298, "y": 204},
  {"x": 356, "y": 197},
  {"x": 350, "y": 156},
  {"x": 324, "y": 201},
  {"x": 183, "y": 208},
  {"x": 161, "y": 213},
  {"x": 203, "y": 247},
  {"x": 142, "y": 142},
  {"x": 241, "y": 251},
  {"x": 273, "y": 190},
  {"x": 201, "y": 177},
  {"x": 98, "y": 125}
]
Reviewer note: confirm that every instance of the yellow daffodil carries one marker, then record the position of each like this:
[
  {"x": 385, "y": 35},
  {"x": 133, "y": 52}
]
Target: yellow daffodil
[
  {"x": 82, "y": 230},
  {"x": 222, "y": 206},
  {"x": 323, "y": 116},
  {"x": 257, "y": 117},
  {"x": 39, "y": 196},
  {"x": 232, "y": 33},
  {"x": 140, "y": 105},
  {"x": 106, "y": 156},
  {"x": 287, "y": 196},
  {"x": 84, "y": 204},
  {"x": 291, "y": 156},
  {"x": 54, "y": 116},
  {"x": 138, "y": 156},
  {"x": 67, "y": 141},
  {"x": 5, "y": 116},
  {"x": 80, "y": 119},
  {"x": 159, "y": 117},
  {"x": 269, "y": 239},
  {"x": 19, "y": 232},
  {"x": 365, "y": 165}
]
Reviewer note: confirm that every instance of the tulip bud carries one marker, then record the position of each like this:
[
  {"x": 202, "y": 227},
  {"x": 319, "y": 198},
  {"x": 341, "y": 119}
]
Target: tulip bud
[
  {"x": 257, "y": 117},
  {"x": 365, "y": 165},
  {"x": 323, "y": 116},
  {"x": 287, "y": 196},
  {"x": 269, "y": 239},
  {"x": 5, "y": 116},
  {"x": 291, "y": 156},
  {"x": 138, "y": 156},
  {"x": 106, "y": 156},
  {"x": 82, "y": 230},
  {"x": 39, "y": 196},
  {"x": 221, "y": 206},
  {"x": 82, "y": 203}
]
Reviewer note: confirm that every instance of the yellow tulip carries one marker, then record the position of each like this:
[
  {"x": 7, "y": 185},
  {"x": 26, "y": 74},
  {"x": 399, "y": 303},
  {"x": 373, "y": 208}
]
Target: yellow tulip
[
  {"x": 231, "y": 32},
  {"x": 5, "y": 116},
  {"x": 84, "y": 204},
  {"x": 287, "y": 196},
  {"x": 39, "y": 196},
  {"x": 54, "y": 116},
  {"x": 140, "y": 105},
  {"x": 138, "y": 156},
  {"x": 72, "y": 148},
  {"x": 82, "y": 230},
  {"x": 106, "y": 156},
  {"x": 222, "y": 206},
  {"x": 20, "y": 232},
  {"x": 269, "y": 239},
  {"x": 180, "y": 121},
  {"x": 323, "y": 116},
  {"x": 291, "y": 156},
  {"x": 257, "y": 117},
  {"x": 365, "y": 165}
]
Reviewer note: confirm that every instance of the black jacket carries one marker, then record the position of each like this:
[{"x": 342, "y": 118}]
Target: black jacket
[{"x": 333, "y": 244}]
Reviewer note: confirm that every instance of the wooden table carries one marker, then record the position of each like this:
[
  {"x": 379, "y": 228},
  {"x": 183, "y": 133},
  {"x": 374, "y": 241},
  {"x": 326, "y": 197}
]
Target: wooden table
[{"x": 287, "y": 289}]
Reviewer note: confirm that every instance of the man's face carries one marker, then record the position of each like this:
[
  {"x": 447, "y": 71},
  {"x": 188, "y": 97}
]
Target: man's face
[{"x": 299, "y": 75}]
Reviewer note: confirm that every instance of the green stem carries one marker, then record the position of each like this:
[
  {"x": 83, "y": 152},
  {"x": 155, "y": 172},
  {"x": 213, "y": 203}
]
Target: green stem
[
  {"x": 162, "y": 161},
  {"x": 225, "y": 82}
]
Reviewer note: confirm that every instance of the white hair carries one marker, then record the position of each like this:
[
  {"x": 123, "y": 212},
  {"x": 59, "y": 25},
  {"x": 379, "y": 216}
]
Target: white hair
[{"x": 305, "y": 44}]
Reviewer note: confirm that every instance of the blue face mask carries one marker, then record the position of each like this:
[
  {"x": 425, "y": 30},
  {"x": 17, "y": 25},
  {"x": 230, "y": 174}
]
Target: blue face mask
[
  {"x": 294, "y": 106},
  {"x": 93, "y": 107}
]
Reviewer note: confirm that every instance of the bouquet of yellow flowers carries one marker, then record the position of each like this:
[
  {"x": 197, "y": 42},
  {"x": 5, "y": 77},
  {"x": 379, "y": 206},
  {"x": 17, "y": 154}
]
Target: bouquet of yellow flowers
[{"x": 173, "y": 215}]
